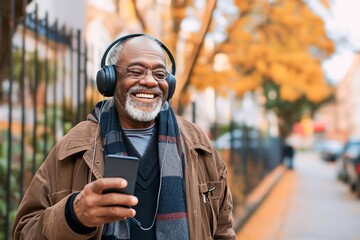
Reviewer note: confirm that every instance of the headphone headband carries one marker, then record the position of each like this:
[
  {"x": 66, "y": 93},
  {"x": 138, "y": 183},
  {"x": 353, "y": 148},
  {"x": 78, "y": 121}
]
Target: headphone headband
[{"x": 126, "y": 37}]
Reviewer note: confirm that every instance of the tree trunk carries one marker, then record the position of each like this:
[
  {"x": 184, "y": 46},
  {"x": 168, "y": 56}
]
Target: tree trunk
[{"x": 6, "y": 34}]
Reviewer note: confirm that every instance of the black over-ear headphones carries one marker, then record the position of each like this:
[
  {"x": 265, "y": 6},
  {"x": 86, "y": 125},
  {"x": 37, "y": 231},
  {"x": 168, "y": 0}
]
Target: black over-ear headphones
[{"x": 106, "y": 76}]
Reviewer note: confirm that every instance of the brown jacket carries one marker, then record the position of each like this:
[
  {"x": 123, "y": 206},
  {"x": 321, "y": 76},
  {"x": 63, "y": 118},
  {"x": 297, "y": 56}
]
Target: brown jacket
[{"x": 67, "y": 167}]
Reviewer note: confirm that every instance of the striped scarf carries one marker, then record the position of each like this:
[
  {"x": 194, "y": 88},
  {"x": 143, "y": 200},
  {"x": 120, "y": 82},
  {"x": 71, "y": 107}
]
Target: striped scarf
[{"x": 171, "y": 219}]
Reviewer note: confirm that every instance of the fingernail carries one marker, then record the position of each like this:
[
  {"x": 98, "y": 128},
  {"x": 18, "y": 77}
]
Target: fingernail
[
  {"x": 134, "y": 199},
  {"x": 124, "y": 182}
]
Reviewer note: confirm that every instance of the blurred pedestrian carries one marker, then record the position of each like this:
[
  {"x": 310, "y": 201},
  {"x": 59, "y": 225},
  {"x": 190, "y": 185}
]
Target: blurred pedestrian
[{"x": 288, "y": 155}]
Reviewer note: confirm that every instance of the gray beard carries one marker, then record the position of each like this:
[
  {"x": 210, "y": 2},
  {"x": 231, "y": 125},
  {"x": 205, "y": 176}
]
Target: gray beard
[{"x": 133, "y": 109}]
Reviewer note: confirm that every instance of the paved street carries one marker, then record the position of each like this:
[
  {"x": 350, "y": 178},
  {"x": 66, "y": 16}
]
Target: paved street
[{"x": 308, "y": 203}]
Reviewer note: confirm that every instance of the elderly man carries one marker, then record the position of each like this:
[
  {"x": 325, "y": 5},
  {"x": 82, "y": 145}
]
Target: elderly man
[{"x": 181, "y": 187}]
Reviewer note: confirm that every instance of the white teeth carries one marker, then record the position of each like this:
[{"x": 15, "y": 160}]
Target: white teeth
[{"x": 144, "y": 95}]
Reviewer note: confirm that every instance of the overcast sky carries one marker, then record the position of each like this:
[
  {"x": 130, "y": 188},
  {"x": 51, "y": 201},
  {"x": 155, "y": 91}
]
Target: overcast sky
[{"x": 342, "y": 23}]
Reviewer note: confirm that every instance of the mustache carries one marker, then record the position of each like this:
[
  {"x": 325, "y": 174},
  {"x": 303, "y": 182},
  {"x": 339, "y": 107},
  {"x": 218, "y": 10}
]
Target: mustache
[{"x": 155, "y": 90}]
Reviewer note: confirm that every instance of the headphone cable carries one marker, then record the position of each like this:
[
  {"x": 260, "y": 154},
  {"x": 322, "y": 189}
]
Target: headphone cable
[{"x": 137, "y": 222}]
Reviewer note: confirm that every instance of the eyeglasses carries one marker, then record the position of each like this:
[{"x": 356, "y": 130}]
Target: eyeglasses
[{"x": 141, "y": 72}]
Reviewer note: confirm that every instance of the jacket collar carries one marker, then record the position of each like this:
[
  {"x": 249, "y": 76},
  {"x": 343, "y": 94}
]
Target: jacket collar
[
  {"x": 84, "y": 137},
  {"x": 194, "y": 137}
]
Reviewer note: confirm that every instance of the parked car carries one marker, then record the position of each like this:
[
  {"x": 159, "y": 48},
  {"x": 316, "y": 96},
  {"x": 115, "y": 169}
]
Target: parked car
[
  {"x": 348, "y": 165},
  {"x": 331, "y": 149}
]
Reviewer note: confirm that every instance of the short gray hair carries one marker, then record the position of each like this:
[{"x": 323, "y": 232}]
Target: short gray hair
[{"x": 114, "y": 53}]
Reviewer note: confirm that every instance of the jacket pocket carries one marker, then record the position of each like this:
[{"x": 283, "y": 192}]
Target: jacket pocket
[{"x": 211, "y": 193}]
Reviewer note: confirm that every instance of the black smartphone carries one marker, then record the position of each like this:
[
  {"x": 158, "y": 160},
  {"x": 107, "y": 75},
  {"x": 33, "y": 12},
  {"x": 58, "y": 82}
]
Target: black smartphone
[{"x": 121, "y": 166}]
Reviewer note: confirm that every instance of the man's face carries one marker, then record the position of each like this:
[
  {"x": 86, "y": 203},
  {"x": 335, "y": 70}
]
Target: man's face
[{"x": 138, "y": 97}]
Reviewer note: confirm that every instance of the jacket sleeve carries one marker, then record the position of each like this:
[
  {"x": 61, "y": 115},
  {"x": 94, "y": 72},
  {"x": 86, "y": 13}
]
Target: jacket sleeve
[
  {"x": 37, "y": 216},
  {"x": 225, "y": 220}
]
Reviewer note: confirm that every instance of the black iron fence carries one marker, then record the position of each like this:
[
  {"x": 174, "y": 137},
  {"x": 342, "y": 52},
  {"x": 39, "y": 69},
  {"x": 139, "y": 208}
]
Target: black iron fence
[
  {"x": 45, "y": 90},
  {"x": 250, "y": 154}
]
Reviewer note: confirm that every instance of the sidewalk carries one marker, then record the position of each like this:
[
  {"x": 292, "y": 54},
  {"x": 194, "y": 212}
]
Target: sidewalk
[
  {"x": 307, "y": 203},
  {"x": 266, "y": 221},
  {"x": 258, "y": 195}
]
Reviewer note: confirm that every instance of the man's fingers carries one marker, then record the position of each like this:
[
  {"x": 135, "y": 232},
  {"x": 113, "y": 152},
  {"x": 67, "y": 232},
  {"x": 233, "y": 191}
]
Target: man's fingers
[
  {"x": 103, "y": 208},
  {"x": 102, "y": 215},
  {"x": 116, "y": 213},
  {"x": 100, "y": 185},
  {"x": 120, "y": 199}
]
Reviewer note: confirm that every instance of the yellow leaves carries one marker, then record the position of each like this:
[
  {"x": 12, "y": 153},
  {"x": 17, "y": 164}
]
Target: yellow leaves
[
  {"x": 283, "y": 42},
  {"x": 318, "y": 92},
  {"x": 247, "y": 83},
  {"x": 244, "y": 5},
  {"x": 205, "y": 76},
  {"x": 241, "y": 37},
  {"x": 314, "y": 92},
  {"x": 278, "y": 73},
  {"x": 289, "y": 93},
  {"x": 298, "y": 74},
  {"x": 286, "y": 15},
  {"x": 261, "y": 66}
]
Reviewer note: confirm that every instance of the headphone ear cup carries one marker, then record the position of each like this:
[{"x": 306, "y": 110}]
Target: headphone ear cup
[
  {"x": 106, "y": 80},
  {"x": 171, "y": 80}
]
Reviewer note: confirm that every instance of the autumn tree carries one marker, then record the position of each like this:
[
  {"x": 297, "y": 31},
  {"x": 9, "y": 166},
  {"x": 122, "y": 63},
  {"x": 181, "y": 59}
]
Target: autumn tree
[{"x": 278, "y": 47}]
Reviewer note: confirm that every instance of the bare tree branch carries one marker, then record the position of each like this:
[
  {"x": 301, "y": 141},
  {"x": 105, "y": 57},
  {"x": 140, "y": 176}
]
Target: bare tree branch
[
  {"x": 139, "y": 17},
  {"x": 183, "y": 81}
]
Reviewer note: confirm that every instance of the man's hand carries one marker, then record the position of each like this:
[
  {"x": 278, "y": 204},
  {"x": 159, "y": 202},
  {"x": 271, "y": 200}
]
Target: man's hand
[{"x": 93, "y": 208}]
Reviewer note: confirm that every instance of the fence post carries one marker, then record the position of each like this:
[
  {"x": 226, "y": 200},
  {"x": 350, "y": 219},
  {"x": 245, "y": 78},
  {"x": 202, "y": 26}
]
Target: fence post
[
  {"x": 22, "y": 89},
  {"x": 46, "y": 85},
  {"x": 245, "y": 155},
  {"x": 54, "y": 77},
  {"x": 36, "y": 78},
  {"x": 9, "y": 152},
  {"x": 85, "y": 82},
  {"x": 78, "y": 35},
  {"x": 63, "y": 78}
]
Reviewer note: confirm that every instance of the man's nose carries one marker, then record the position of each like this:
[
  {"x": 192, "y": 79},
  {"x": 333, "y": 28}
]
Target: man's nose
[{"x": 149, "y": 80}]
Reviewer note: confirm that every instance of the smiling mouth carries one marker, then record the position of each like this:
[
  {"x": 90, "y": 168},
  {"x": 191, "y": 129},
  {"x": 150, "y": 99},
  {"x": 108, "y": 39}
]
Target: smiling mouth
[{"x": 145, "y": 95}]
